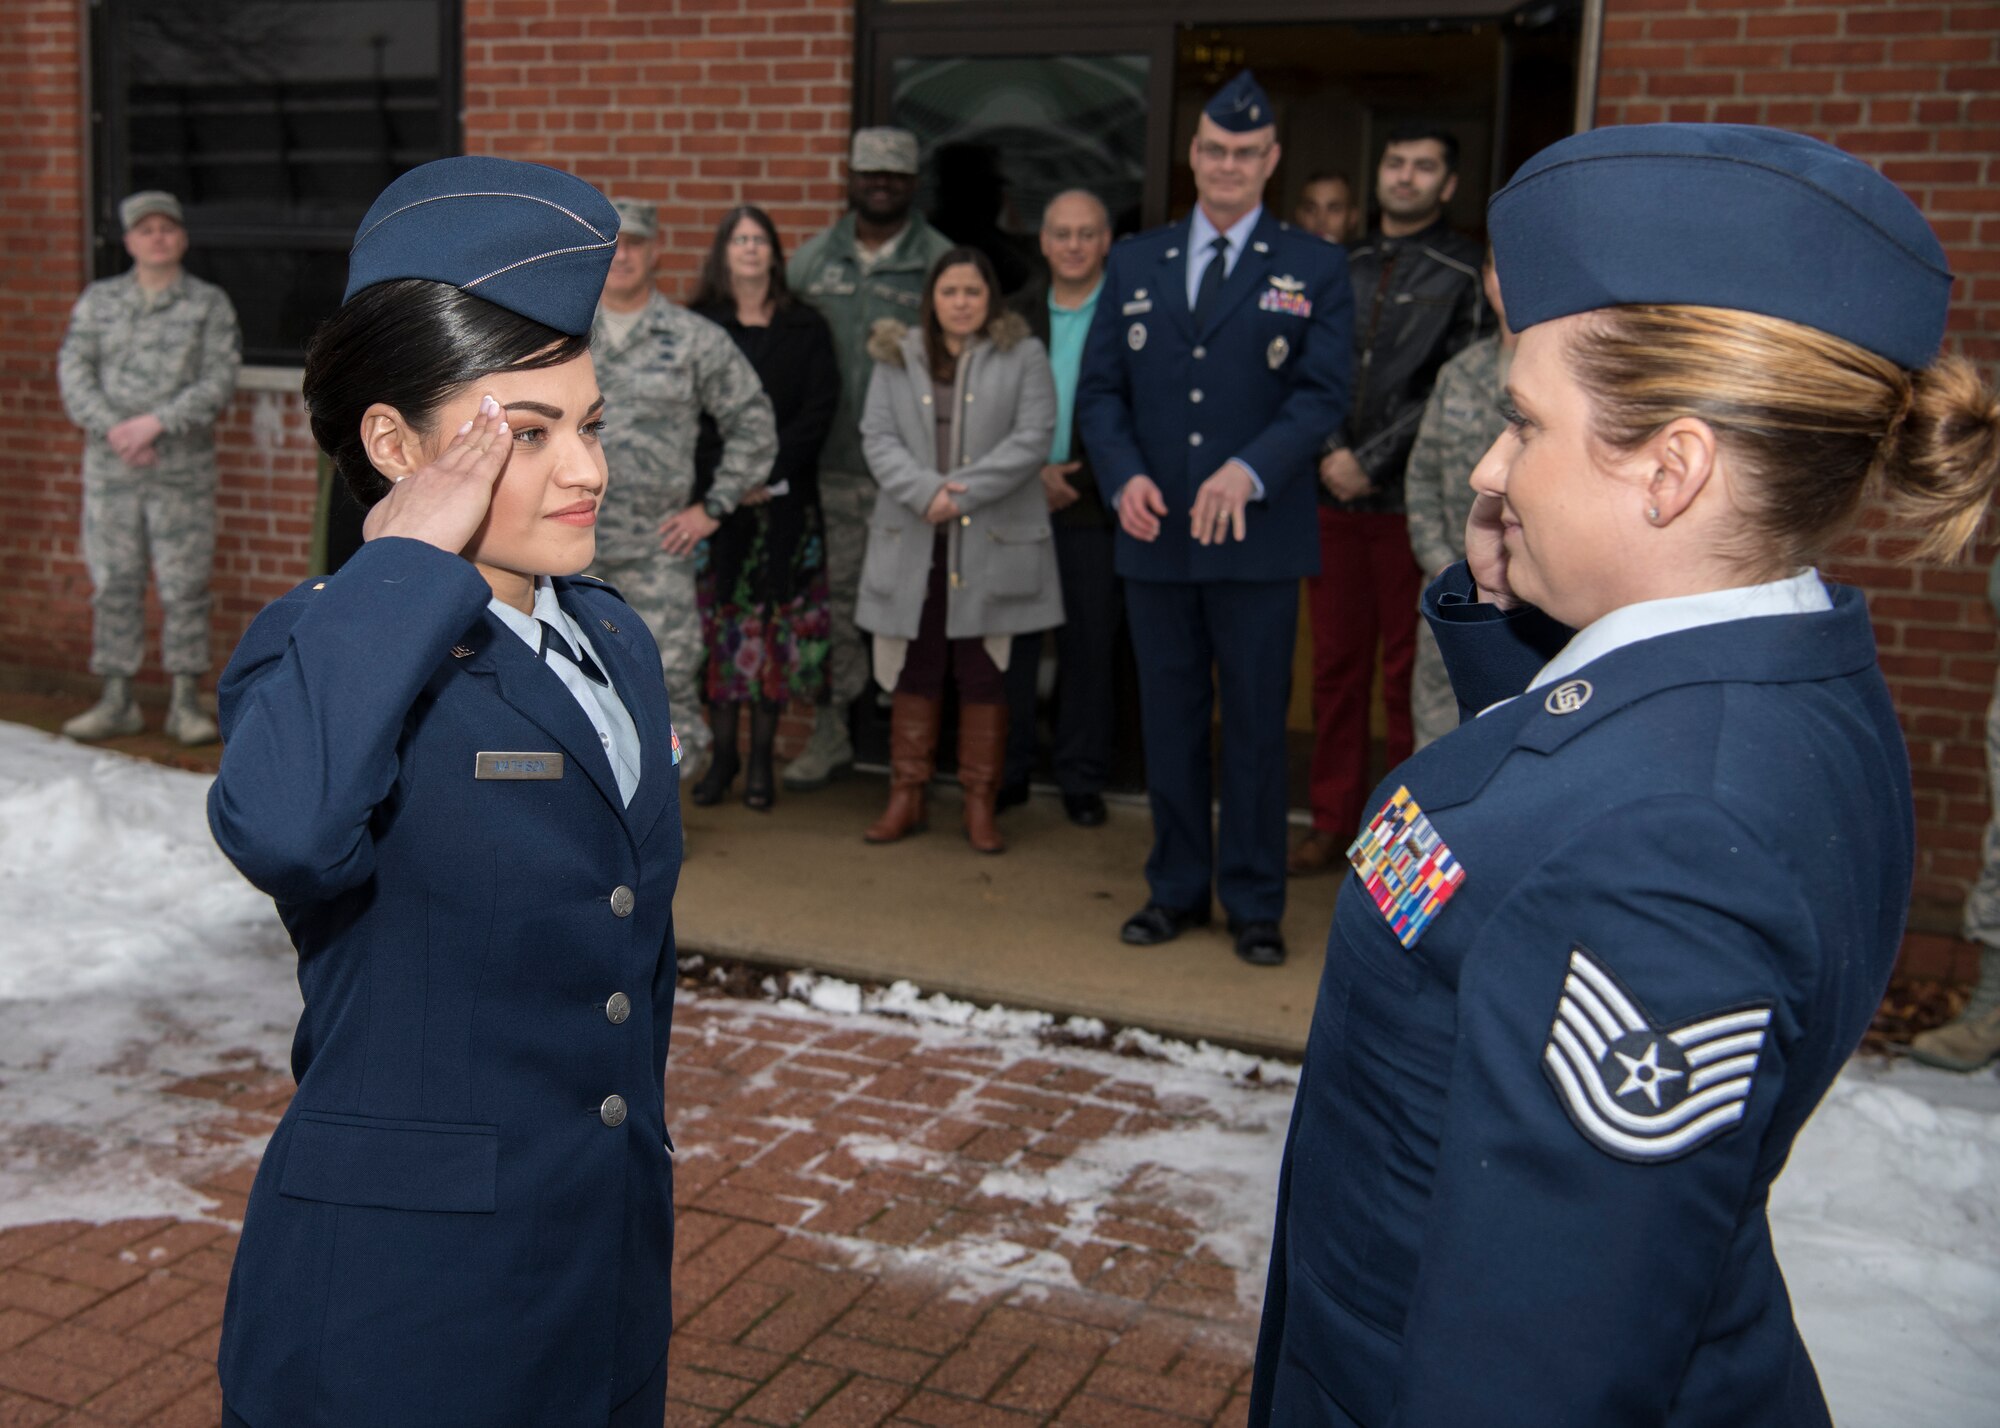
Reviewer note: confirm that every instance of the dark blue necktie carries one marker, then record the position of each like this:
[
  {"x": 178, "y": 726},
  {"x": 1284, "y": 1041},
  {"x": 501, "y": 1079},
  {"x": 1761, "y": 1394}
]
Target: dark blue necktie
[
  {"x": 1209, "y": 290},
  {"x": 553, "y": 643}
]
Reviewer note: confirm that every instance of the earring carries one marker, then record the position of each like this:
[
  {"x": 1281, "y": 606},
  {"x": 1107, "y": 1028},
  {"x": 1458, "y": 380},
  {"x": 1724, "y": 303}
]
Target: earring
[{"x": 1653, "y": 514}]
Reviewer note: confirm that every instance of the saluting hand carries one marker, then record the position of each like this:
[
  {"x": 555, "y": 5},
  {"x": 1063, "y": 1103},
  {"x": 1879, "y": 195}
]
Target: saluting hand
[
  {"x": 942, "y": 508},
  {"x": 1218, "y": 504},
  {"x": 1486, "y": 551},
  {"x": 444, "y": 503},
  {"x": 1140, "y": 507}
]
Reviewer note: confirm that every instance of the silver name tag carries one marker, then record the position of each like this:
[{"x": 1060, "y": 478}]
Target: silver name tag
[
  {"x": 517, "y": 765},
  {"x": 1134, "y": 308}
]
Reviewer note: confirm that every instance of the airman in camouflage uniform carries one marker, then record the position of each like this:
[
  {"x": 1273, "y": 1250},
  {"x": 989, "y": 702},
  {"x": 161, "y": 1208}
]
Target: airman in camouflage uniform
[
  {"x": 1461, "y": 420},
  {"x": 1972, "y": 1040},
  {"x": 147, "y": 365},
  {"x": 660, "y": 367},
  {"x": 869, "y": 265}
]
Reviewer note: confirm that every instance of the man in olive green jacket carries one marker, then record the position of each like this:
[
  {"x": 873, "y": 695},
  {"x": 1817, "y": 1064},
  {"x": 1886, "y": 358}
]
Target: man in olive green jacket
[{"x": 870, "y": 264}]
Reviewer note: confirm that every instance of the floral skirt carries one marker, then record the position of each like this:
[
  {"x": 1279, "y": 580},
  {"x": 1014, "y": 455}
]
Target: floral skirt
[{"x": 765, "y": 614}]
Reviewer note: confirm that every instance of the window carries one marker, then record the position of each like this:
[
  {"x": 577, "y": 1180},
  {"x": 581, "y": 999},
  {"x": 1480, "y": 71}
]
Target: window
[{"x": 275, "y": 122}]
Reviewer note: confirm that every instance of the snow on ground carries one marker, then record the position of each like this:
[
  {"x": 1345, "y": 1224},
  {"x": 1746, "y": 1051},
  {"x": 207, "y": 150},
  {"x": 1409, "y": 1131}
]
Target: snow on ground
[{"x": 132, "y": 956}]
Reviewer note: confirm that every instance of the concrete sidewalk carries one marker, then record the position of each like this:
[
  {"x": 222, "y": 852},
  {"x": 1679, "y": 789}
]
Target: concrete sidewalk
[
  {"x": 1034, "y": 927},
  {"x": 857, "y": 1245}
]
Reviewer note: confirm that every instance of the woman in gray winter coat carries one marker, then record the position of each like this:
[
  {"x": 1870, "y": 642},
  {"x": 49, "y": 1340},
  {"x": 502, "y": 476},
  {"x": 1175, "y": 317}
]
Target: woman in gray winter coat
[{"x": 960, "y": 556}]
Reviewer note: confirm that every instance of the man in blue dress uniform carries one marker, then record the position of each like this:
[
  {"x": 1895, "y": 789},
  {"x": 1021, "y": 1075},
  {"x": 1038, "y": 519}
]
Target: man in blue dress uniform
[{"x": 1220, "y": 354}]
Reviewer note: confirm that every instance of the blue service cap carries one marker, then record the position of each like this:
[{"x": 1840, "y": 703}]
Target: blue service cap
[
  {"x": 1241, "y": 105},
  {"x": 1721, "y": 215},
  {"x": 531, "y": 239}
]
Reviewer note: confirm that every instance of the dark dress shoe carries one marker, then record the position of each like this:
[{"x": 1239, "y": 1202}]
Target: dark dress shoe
[
  {"x": 1011, "y": 795},
  {"x": 1259, "y": 943},
  {"x": 1085, "y": 810},
  {"x": 1153, "y": 924}
]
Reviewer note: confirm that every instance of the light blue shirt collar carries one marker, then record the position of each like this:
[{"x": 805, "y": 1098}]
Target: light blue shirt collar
[
  {"x": 600, "y": 702},
  {"x": 1201, "y": 233},
  {"x": 1802, "y": 594}
]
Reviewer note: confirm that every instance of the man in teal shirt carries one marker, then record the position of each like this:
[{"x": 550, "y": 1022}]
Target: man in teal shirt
[{"x": 1076, "y": 236}]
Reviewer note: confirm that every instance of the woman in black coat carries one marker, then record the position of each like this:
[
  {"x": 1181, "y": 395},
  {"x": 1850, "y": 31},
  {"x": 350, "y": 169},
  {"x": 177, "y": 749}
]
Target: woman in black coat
[{"x": 762, "y": 583}]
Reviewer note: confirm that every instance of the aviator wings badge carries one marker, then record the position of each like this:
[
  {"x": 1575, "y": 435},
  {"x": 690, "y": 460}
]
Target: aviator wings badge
[{"x": 1640, "y": 1092}]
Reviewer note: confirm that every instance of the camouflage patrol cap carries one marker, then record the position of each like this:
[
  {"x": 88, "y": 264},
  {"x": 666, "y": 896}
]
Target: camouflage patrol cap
[
  {"x": 636, "y": 219},
  {"x": 144, "y": 204},
  {"x": 883, "y": 151}
]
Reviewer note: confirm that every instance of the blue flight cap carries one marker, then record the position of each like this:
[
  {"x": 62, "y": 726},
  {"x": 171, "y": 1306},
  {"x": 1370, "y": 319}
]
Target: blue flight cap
[
  {"x": 531, "y": 239},
  {"x": 1241, "y": 105},
  {"x": 1721, "y": 215}
]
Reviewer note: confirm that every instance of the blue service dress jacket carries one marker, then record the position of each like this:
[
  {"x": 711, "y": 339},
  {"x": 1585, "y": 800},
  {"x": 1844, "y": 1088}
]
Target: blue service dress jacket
[
  {"x": 454, "y": 1223},
  {"x": 1528, "y": 1164},
  {"x": 1263, "y": 380}
]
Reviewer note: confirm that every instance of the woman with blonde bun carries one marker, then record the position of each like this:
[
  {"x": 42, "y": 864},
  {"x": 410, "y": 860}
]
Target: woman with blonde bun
[{"x": 1609, "y": 941}]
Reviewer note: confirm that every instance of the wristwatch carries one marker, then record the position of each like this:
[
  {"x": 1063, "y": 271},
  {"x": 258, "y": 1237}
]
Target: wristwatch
[{"x": 715, "y": 509}]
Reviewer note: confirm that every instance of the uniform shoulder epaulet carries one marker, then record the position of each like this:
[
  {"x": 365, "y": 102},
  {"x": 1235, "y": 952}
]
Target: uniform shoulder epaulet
[{"x": 591, "y": 582}]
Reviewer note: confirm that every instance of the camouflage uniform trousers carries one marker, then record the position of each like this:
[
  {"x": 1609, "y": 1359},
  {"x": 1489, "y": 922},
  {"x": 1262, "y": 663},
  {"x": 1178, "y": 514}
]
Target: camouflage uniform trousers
[
  {"x": 122, "y": 526},
  {"x": 661, "y": 588},
  {"x": 1433, "y": 707},
  {"x": 1982, "y": 904},
  {"x": 847, "y": 499}
]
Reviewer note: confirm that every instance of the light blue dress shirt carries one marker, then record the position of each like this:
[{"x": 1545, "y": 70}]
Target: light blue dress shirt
[
  {"x": 1801, "y": 594},
  {"x": 600, "y": 702},
  {"x": 1201, "y": 233}
]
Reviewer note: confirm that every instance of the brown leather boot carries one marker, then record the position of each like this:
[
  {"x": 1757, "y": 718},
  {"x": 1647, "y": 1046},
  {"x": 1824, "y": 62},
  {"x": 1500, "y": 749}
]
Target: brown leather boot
[
  {"x": 982, "y": 753},
  {"x": 913, "y": 738}
]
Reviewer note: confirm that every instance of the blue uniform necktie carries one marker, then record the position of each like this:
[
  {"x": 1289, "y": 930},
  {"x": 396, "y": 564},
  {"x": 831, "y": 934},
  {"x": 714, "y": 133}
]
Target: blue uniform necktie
[
  {"x": 553, "y": 644},
  {"x": 1210, "y": 288}
]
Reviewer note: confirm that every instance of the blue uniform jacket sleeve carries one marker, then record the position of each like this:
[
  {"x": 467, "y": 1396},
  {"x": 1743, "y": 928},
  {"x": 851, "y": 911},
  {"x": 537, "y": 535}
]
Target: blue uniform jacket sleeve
[
  {"x": 1490, "y": 653},
  {"x": 1561, "y": 1282},
  {"x": 312, "y": 708},
  {"x": 1103, "y": 395},
  {"x": 1322, "y": 383}
]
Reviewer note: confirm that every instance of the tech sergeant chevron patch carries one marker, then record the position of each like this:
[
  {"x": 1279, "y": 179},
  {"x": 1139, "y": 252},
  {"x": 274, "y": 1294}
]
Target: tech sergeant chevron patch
[{"x": 1640, "y": 1092}]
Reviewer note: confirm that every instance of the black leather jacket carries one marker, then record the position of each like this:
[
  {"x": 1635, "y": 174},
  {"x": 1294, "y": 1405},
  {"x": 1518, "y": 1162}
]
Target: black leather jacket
[{"x": 1417, "y": 301}]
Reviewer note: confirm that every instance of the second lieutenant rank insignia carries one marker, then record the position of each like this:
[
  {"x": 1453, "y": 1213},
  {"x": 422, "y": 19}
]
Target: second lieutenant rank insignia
[
  {"x": 1638, "y": 1091},
  {"x": 1406, "y": 867}
]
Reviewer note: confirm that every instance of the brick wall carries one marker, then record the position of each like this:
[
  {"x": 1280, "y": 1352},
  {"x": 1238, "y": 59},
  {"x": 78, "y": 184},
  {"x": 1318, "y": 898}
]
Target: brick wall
[
  {"x": 41, "y": 268},
  {"x": 267, "y": 461},
  {"x": 696, "y": 105},
  {"x": 1915, "y": 89}
]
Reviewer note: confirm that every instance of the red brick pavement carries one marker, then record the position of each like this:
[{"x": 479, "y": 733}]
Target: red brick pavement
[{"x": 837, "y": 1263}]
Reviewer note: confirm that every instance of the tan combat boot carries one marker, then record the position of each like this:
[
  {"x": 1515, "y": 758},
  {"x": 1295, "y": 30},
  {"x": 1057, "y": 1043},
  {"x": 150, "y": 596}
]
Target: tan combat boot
[
  {"x": 187, "y": 722},
  {"x": 1967, "y": 1044},
  {"x": 827, "y": 754},
  {"x": 112, "y": 716}
]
